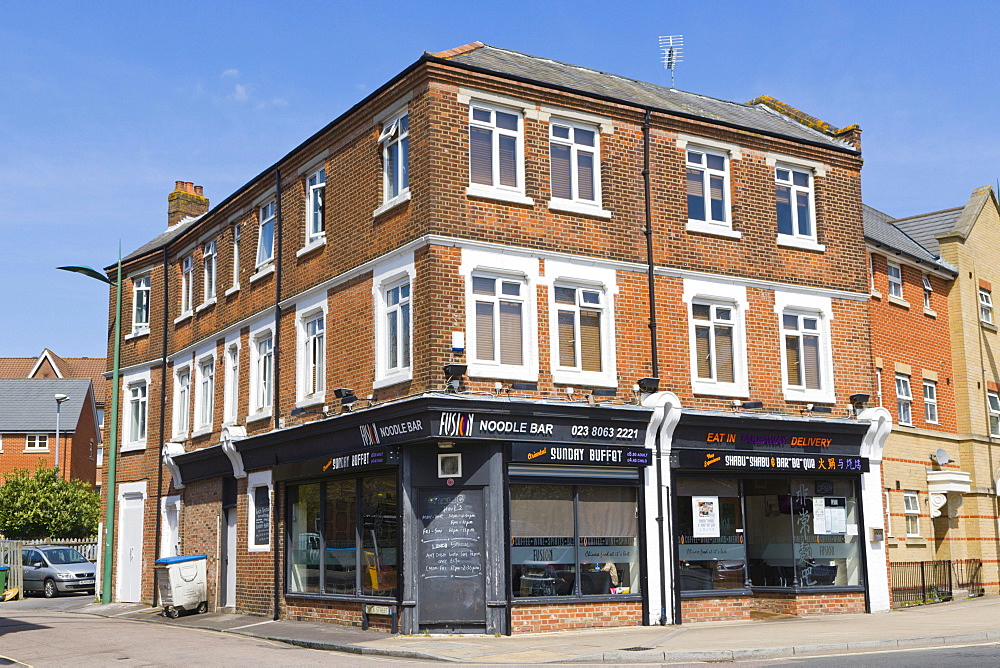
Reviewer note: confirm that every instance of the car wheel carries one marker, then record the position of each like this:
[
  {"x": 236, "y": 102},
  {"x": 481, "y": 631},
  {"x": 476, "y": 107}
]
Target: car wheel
[
  {"x": 203, "y": 607},
  {"x": 49, "y": 589},
  {"x": 172, "y": 612}
]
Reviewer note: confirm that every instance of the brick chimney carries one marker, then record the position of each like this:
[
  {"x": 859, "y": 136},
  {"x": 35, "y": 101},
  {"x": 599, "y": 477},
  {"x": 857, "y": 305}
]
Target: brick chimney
[{"x": 186, "y": 201}]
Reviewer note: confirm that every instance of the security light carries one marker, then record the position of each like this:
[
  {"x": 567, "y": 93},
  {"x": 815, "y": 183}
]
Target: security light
[{"x": 648, "y": 385}]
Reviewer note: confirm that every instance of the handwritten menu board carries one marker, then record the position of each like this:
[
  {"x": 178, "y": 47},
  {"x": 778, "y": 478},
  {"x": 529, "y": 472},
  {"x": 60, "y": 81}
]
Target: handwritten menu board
[
  {"x": 262, "y": 516},
  {"x": 452, "y": 564}
]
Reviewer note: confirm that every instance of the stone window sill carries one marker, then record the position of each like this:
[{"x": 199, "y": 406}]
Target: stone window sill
[
  {"x": 701, "y": 227},
  {"x": 313, "y": 245},
  {"x": 391, "y": 204},
  {"x": 262, "y": 272},
  {"x": 899, "y": 301},
  {"x": 789, "y": 241},
  {"x": 182, "y": 317},
  {"x": 485, "y": 192},
  {"x": 569, "y": 206}
]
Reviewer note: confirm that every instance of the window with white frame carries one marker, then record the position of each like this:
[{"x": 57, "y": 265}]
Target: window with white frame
[
  {"x": 793, "y": 191},
  {"x": 993, "y": 400},
  {"x": 315, "y": 205},
  {"x": 930, "y": 401},
  {"x": 395, "y": 140},
  {"x": 887, "y": 511},
  {"x": 707, "y": 186},
  {"x": 574, "y": 162},
  {"x": 803, "y": 350},
  {"x": 140, "y": 303},
  {"x": 904, "y": 399},
  {"x": 579, "y": 323},
  {"x": 232, "y": 389},
  {"x": 928, "y": 290},
  {"x": 236, "y": 255},
  {"x": 137, "y": 412},
  {"x": 911, "y": 507},
  {"x": 208, "y": 260},
  {"x": 36, "y": 442},
  {"x": 499, "y": 320},
  {"x": 314, "y": 355},
  {"x": 205, "y": 400},
  {"x": 264, "y": 377},
  {"x": 397, "y": 326},
  {"x": 714, "y": 332},
  {"x": 495, "y": 148},
  {"x": 985, "y": 306},
  {"x": 187, "y": 285},
  {"x": 182, "y": 400},
  {"x": 871, "y": 273},
  {"x": 895, "y": 275},
  {"x": 265, "y": 234}
]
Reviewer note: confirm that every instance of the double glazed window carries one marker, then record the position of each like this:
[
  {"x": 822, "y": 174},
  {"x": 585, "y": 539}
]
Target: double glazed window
[
  {"x": 264, "y": 376},
  {"x": 579, "y": 312},
  {"x": 928, "y": 291},
  {"x": 985, "y": 306},
  {"x": 343, "y": 537},
  {"x": 182, "y": 398},
  {"x": 187, "y": 285},
  {"x": 206, "y": 393},
  {"x": 495, "y": 148},
  {"x": 895, "y": 275},
  {"x": 793, "y": 192},
  {"x": 314, "y": 355},
  {"x": 803, "y": 356},
  {"x": 911, "y": 506},
  {"x": 315, "y": 205},
  {"x": 36, "y": 442},
  {"x": 265, "y": 234},
  {"x": 930, "y": 401},
  {"x": 232, "y": 391},
  {"x": 707, "y": 187},
  {"x": 904, "y": 399},
  {"x": 397, "y": 327},
  {"x": 714, "y": 330},
  {"x": 137, "y": 412},
  {"x": 236, "y": 256},
  {"x": 395, "y": 140},
  {"x": 499, "y": 319},
  {"x": 140, "y": 304},
  {"x": 574, "y": 163},
  {"x": 993, "y": 400},
  {"x": 208, "y": 258},
  {"x": 573, "y": 540}
]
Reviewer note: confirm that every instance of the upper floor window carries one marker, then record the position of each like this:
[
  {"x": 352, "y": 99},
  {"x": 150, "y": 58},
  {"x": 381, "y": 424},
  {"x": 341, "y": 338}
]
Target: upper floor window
[
  {"x": 499, "y": 320},
  {"x": 803, "y": 363},
  {"x": 182, "y": 399},
  {"x": 930, "y": 401},
  {"x": 993, "y": 399},
  {"x": 895, "y": 274},
  {"x": 187, "y": 285},
  {"x": 37, "y": 442},
  {"x": 208, "y": 259},
  {"x": 265, "y": 235},
  {"x": 205, "y": 400},
  {"x": 911, "y": 508},
  {"x": 985, "y": 306},
  {"x": 928, "y": 290},
  {"x": 397, "y": 326},
  {"x": 314, "y": 355},
  {"x": 140, "y": 303},
  {"x": 236, "y": 255},
  {"x": 904, "y": 399},
  {"x": 707, "y": 186},
  {"x": 232, "y": 388},
  {"x": 495, "y": 148},
  {"x": 264, "y": 377},
  {"x": 793, "y": 189},
  {"x": 714, "y": 342},
  {"x": 315, "y": 205},
  {"x": 574, "y": 162},
  {"x": 579, "y": 314},
  {"x": 395, "y": 140},
  {"x": 137, "y": 412}
]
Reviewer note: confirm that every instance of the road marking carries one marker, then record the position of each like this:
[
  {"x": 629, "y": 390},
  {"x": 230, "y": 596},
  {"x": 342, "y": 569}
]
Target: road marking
[
  {"x": 269, "y": 621},
  {"x": 7, "y": 661}
]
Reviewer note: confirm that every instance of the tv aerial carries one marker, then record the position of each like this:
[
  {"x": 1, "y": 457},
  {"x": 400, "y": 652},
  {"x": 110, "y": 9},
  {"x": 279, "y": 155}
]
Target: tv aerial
[{"x": 672, "y": 47}]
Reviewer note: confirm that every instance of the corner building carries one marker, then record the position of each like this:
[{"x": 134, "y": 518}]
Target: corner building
[{"x": 513, "y": 345}]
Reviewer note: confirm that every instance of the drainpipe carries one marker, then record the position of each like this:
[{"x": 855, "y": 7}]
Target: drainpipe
[
  {"x": 276, "y": 376},
  {"x": 163, "y": 409},
  {"x": 647, "y": 194}
]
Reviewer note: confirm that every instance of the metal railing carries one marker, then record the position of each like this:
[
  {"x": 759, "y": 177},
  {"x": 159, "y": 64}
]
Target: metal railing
[
  {"x": 968, "y": 576},
  {"x": 919, "y": 582},
  {"x": 10, "y": 555}
]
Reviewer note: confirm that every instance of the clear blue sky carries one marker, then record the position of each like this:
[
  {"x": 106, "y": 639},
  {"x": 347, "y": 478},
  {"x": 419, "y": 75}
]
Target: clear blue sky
[{"x": 104, "y": 105}]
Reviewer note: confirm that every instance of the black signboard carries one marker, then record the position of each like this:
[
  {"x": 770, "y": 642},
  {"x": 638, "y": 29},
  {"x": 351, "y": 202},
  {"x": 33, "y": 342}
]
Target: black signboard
[
  {"x": 585, "y": 455},
  {"x": 803, "y": 437},
  {"x": 262, "y": 515},
  {"x": 338, "y": 463},
  {"x": 717, "y": 460},
  {"x": 452, "y": 586},
  {"x": 598, "y": 429}
]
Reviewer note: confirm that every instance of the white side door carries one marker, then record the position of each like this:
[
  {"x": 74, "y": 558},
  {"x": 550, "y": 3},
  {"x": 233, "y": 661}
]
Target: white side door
[
  {"x": 131, "y": 513},
  {"x": 228, "y": 598}
]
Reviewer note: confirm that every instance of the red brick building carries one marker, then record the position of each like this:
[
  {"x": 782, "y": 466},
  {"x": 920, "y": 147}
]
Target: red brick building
[{"x": 513, "y": 345}]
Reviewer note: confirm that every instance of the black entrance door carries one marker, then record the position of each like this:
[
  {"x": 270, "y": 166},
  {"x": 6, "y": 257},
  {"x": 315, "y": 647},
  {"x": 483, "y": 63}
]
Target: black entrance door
[{"x": 452, "y": 585}]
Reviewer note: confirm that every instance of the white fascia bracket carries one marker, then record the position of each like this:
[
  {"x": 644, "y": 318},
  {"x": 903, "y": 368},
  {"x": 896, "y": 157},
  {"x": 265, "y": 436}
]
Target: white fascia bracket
[
  {"x": 229, "y": 437},
  {"x": 171, "y": 450}
]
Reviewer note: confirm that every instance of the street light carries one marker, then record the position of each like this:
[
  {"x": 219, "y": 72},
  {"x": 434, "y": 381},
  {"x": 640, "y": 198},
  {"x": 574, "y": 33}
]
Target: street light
[
  {"x": 109, "y": 517},
  {"x": 60, "y": 398}
]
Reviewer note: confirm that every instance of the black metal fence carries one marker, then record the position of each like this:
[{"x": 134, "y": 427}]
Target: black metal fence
[
  {"x": 918, "y": 582},
  {"x": 968, "y": 576}
]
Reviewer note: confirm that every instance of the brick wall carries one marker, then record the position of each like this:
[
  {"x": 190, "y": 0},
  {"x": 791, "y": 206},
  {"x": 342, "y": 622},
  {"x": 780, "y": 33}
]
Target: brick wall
[
  {"x": 536, "y": 618},
  {"x": 741, "y": 607}
]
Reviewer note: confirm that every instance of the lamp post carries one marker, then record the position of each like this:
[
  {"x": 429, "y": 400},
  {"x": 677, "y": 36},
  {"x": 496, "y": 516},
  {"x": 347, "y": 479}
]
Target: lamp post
[
  {"x": 60, "y": 398},
  {"x": 109, "y": 517}
]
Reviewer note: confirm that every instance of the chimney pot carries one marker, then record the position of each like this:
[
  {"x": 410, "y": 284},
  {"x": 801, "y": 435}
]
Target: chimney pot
[
  {"x": 198, "y": 190},
  {"x": 189, "y": 186},
  {"x": 178, "y": 185},
  {"x": 186, "y": 201}
]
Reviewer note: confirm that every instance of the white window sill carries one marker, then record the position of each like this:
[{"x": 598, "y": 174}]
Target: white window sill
[
  {"x": 182, "y": 317},
  {"x": 585, "y": 378},
  {"x": 232, "y": 291},
  {"x": 989, "y": 326},
  {"x": 265, "y": 270},
  {"x": 720, "y": 390},
  {"x": 899, "y": 301},
  {"x": 876, "y": 294},
  {"x": 201, "y": 431},
  {"x": 930, "y": 313},
  {"x": 701, "y": 227},
  {"x": 811, "y": 396},
  {"x": 134, "y": 445},
  {"x": 395, "y": 378},
  {"x": 311, "y": 400},
  {"x": 259, "y": 548},
  {"x": 259, "y": 415},
  {"x": 501, "y": 372},
  {"x": 569, "y": 206},
  {"x": 487, "y": 192},
  {"x": 205, "y": 305},
  {"x": 137, "y": 334},
  {"x": 180, "y": 436},
  {"x": 311, "y": 245},
  {"x": 36, "y": 451},
  {"x": 392, "y": 203},
  {"x": 789, "y": 241},
  {"x": 916, "y": 540}
]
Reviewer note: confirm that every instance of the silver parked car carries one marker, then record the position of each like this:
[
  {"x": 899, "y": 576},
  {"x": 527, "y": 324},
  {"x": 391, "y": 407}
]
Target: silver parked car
[{"x": 52, "y": 569}]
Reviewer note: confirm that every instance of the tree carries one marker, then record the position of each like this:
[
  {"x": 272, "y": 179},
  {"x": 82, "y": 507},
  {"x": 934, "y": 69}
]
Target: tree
[{"x": 43, "y": 505}]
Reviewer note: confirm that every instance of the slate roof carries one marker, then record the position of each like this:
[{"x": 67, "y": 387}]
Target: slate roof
[
  {"x": 70, "y": 367},
  {"x": 28, "y": 404},
  {"x": 163, "y": 238},
  {"x": 586, "y": 80},
  {"x": 925, "y": 227},
  {"x": 881, "y": 229}
]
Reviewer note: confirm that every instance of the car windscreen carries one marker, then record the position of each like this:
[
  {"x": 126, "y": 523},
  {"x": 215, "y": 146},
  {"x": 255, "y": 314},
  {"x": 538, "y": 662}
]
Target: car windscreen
[{"x": 65, "y": 555}]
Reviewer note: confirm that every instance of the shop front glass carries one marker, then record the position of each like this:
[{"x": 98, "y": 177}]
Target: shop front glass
[
  {"x": 574, "y": 540},
  {"x": 801, "y": 533}
]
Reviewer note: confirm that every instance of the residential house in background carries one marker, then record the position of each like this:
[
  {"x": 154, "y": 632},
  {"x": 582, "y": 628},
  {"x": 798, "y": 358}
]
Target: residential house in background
[{"x": 513, "y": 345}]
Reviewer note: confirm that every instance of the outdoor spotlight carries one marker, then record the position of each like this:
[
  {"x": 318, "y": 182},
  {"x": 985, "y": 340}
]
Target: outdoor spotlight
[
  {"x": 452, "y": 370},
  {"x": 821, "y": 409},
  {"x": 753, "y": 404},
  {"x": 859, "y": 400},
  {"x": 345, "y": 395},
  {"x": 648, "y": 385}
]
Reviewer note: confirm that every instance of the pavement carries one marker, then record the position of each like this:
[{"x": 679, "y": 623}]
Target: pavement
[{"x": 965, "y": 622}]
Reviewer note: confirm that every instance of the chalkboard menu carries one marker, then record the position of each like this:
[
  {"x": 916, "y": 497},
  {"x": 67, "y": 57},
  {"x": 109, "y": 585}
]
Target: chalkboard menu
[
  {"x": 262, "y": 516},
  {"x": 452, "y": 578}
]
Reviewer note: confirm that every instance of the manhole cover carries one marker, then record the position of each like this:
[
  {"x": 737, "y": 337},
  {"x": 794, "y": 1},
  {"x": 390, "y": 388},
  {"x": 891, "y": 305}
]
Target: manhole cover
[{"x": 636, "y": 649}]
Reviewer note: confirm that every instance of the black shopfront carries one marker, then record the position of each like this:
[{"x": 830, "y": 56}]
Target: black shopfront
[{"x": 767, "y": 506}]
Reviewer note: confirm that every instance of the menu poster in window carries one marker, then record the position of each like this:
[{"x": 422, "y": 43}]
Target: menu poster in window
[
  {"x": 819, "y": 516},
  {"x": 705, "y": 511},
  {"x": 262, "y": 515},
  {"x": 836, "y": 514}
]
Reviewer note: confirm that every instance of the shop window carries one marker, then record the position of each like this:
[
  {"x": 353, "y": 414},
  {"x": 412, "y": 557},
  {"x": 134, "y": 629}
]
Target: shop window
[
  {"x": 911, "y": 506},
  {"x": 904, "y": 399},
  {"x": 930, "y": 401},
  {"x": 711, "y": 546},
  {"x": 573, "y": 540},
  {"x": 344, "y": 537},
  {"x": 993, "y": 399}
]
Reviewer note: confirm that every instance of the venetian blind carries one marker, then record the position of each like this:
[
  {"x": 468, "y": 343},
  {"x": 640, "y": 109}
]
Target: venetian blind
[
  {"x": 590, "y": 340},
  {"x": 810, "y": 358},
  {"x": 510, "y": 333},
  {"x": 724, "y": 354},
  {"x": 484, "y": 331},
  {"x": 481, "y": 156},
  {"x": 559, "y": 156},
  {"x": 792, "y": 360},
  {"x": 567, "y": 339},
  {"x": 508, "y": 161},
  {"x": 703, "y": 352},
  {"x": 585, "y": 175}
]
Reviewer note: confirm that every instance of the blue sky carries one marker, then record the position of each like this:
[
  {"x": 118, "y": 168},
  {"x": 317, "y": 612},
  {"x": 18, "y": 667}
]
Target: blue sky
[{"x": 104, "y": 105}]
